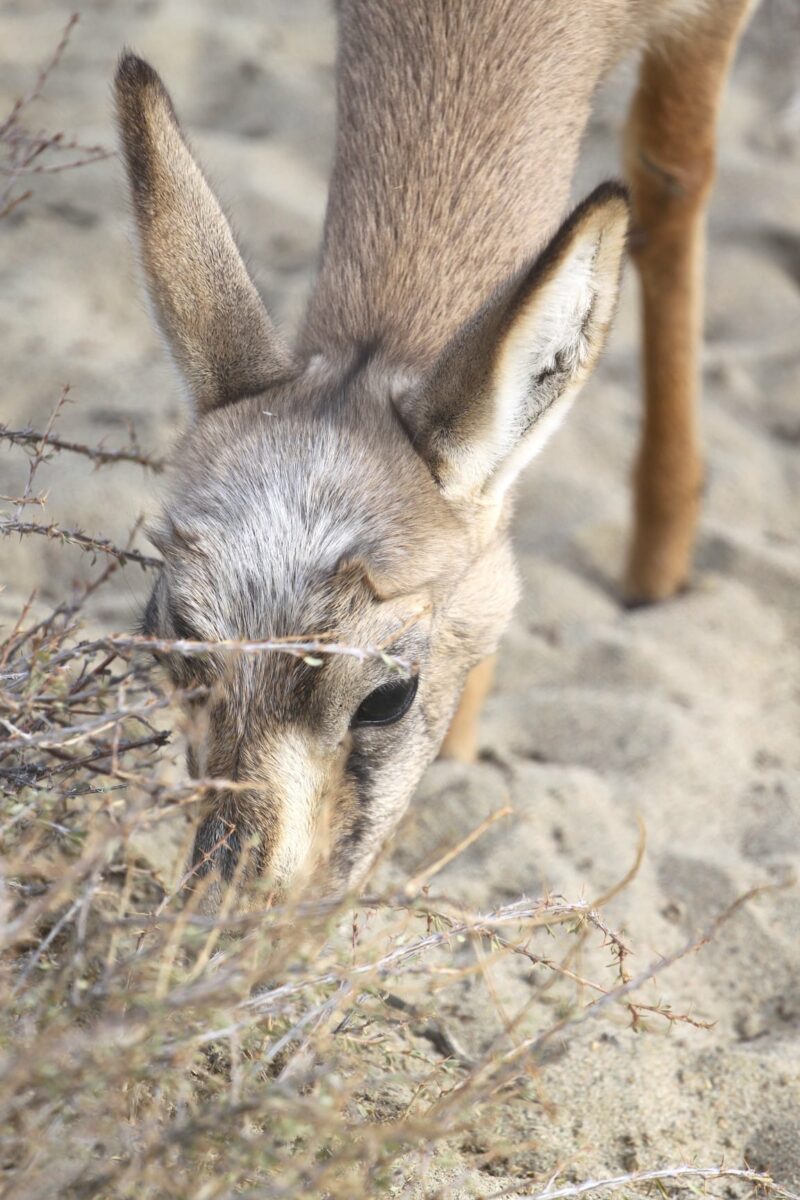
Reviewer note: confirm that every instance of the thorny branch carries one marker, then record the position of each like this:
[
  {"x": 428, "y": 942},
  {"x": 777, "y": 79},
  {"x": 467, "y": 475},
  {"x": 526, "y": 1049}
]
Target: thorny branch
[
  {"x": 76, "y": 537},
  {"x": 99, "y": 454},
  {"x": 25, "y": 152},
  {"x": 39, "y": 455}
]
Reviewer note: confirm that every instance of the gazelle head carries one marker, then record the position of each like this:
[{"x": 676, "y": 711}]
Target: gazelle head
[{"x": 343, "y": 496}]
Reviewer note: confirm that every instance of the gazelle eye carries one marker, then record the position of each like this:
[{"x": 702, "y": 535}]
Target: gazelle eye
[{"x": 388, "y": 703}]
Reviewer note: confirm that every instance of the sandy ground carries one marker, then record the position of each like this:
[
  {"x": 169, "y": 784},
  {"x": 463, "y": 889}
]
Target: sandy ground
[{"x": 685, "y": 714}]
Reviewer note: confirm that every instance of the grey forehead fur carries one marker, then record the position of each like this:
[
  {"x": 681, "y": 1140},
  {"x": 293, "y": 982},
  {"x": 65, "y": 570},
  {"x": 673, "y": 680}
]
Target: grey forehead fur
[{"x": 264, "y": 508}]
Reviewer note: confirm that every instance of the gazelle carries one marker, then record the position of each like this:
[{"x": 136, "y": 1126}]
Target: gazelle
[{"x": 361, "y": 483}]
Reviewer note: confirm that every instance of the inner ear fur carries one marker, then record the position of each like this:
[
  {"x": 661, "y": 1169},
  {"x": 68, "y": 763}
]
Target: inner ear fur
[
  {"x": 207, "y": 306},
  {"x": 507, "y": 378}
]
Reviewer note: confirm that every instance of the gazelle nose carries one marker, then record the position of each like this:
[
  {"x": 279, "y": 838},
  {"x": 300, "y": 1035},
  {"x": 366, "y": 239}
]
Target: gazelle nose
[{"x": 226, "y": 842}]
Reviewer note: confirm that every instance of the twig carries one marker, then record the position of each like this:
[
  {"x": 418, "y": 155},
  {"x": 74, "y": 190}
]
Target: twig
[
  {"x": 531, "y": 913},
  {"x": 630, "y": 874},
  {"x": 76, "y": 537},
  {"x": 47, "y": 942},
  {"x": 534, "y": 1045},
  {"x": 68, "y": 609},
  {"x": 659, "y": 1175},
  {"x": 41, "y": 78},
  {"x": 71, "y": 734},
  {"x": 298, "y": 648},
  {"x": 23, "y": 149},
  {"x": 92, "y": 154},
  {"x": 38, "y": 456},
  {"x": 414, "y": 884},
  {"x": 10, "y": 204},
  {"x": 103, "y": 457}
]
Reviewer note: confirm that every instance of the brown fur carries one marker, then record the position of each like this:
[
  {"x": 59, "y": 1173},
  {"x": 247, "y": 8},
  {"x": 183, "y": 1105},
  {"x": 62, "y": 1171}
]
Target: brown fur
[
  {"x": 363, "y": 487},
  {"x": 461, "y": 740},
  {"x": 670, "y": 162},
  {"x": 208, "y": 307}
]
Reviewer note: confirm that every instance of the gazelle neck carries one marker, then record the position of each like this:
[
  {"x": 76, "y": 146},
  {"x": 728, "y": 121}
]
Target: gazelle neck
[{"x": 458, "y": 126}]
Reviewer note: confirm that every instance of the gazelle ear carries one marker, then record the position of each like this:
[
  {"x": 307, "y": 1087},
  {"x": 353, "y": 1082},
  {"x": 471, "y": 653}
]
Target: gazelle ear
[
  {"x": 507, "y": 379},
  {"x": 207, "y": 306}
]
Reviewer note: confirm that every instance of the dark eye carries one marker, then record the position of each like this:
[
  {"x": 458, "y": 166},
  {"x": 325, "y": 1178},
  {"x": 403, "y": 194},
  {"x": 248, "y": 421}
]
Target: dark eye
[{"x": 388, "y": 703}]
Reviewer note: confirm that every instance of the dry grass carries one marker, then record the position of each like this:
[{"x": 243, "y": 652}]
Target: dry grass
[{"x": 147, "y": 1050}]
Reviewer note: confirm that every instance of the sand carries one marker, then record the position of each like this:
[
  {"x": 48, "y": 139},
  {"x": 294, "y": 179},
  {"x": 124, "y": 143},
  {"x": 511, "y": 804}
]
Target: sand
[{"x": 685, "y": 715}]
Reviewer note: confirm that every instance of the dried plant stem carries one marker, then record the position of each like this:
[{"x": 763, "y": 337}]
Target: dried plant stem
[
  {"x": 414, "y": 884},
  {"x": 24, "y": 151},
  {"x": 98, "y": 454},
  {"x": 42, "y": 76},
  {"x": 677, "y": 1174},
  {"x": 76, "y": 537},
  {"x": 39, "y": 454},
  {"x": 298, "y": 648}
]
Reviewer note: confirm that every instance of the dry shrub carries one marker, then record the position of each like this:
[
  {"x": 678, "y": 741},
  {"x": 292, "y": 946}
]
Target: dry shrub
[{"x": 148, "y": 1050}]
